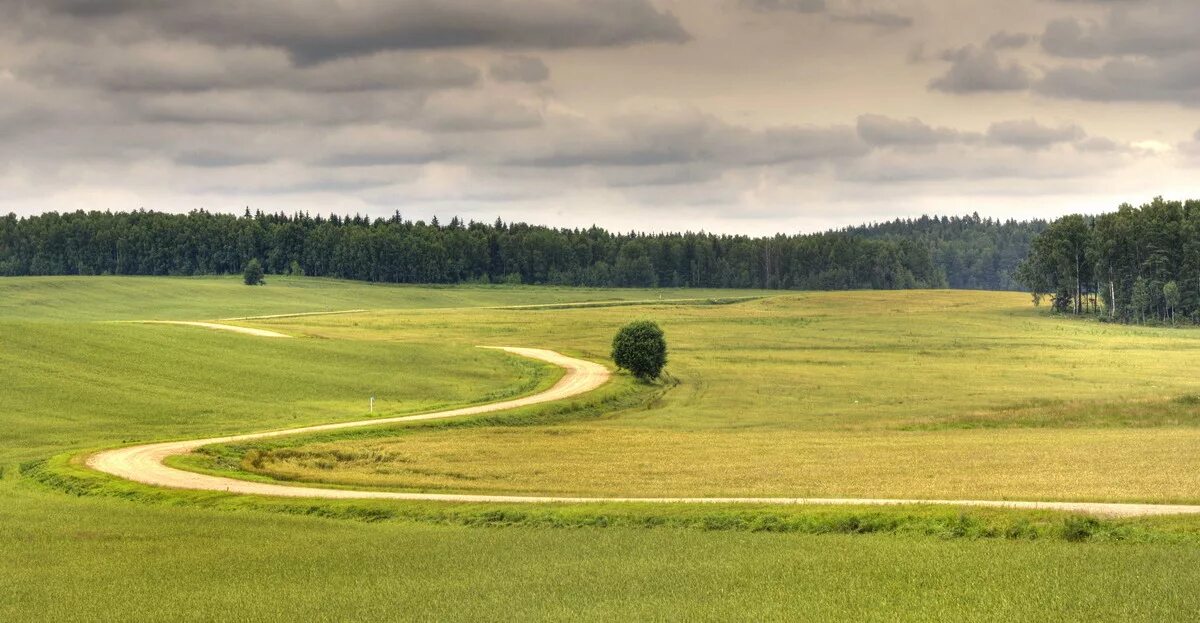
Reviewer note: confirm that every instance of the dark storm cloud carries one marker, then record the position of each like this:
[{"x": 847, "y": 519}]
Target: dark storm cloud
[
  {"x": 517, "y": 68},
  {"x": 980, "y": 70},
  {"x": 313, "y": 31}
]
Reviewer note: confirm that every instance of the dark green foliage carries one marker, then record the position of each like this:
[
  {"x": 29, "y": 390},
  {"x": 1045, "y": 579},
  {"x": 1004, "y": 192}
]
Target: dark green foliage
[
  {"x": 973, "y": 253},
  {"x": 1133, "y": 265},
  {"x": 1078, "y": 528},
  {"x": 640, "y": 348},
  {"x": 253, "y": 275},
  {"x": 910, "y": 254}
]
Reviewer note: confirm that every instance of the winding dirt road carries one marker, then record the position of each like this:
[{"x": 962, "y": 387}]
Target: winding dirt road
[
  {"x": 219, "y": 327},
  {"x": 144, "y": 463}
]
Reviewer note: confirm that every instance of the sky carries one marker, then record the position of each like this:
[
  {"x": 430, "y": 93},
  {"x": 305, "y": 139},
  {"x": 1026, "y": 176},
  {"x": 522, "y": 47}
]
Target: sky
[{"x": 733, "y": 116}]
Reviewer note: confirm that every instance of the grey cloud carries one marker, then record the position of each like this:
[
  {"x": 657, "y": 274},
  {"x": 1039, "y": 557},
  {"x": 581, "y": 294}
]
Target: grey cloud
[
  {"x": 328, "y": 185},
  {"x": 374, "y": 145},
  {"x": 127, "y": 99},
  {"x": 443, "y": 112},
  {"x": 956, "y": 164},
  {"x": 159, "y": 66},
  {"x": 211, "y": 159},
  {"x": 1190, "y": 148},
  {"x": 1156, "y": 29},
  {"x": 855, "y": 14},
  {"x": 477, "y": 113},
  {"x": 882, "y": 131},
  {"x": 517, "y": 68},
  {"x": 798, "y": 6},
  {"x": 1029, "y": 134},
  {"x": 672, "y": 137},
  {"x": 1099, "y": 144},
  {"x": 977, "y": 70},
  {"x": 665, "y": 175},
  {"x": 314, "y": 31},
  {"x": 275, "y": 107},
  {"x": 1175, "y": 79},
  {"x": 1004, "y": 40},
  {"x": 1148, "y": 51},
  {"x": 883, "y": 19},
  {"x": 387, "y": 158}
]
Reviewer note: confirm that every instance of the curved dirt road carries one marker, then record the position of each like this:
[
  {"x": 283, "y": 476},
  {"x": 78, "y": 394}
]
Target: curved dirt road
[
  {"x": 144, "y": 463},
  {"x": 219, "y": 327}
]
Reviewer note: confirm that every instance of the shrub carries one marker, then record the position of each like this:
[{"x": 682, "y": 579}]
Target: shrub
[
  {"x": 1078, "y": 528},
  {"x": 253, "y": 275},
  {"x": 640, "y": 348}
]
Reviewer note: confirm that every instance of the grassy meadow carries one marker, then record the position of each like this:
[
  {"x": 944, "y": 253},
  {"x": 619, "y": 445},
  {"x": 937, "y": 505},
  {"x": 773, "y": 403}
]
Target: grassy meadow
[{"x": 913, "y": 394}]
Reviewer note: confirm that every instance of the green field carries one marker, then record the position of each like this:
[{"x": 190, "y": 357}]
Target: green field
[{"x": 896, "y": 394}]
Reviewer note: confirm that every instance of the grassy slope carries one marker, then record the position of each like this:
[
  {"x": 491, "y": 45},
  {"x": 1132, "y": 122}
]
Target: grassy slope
[
  {"x": 200, "y": 298},
  {"x": 65, "y": 558},
  {"x": 70, "y": 385},
  {"x": 899, "y": 394}
]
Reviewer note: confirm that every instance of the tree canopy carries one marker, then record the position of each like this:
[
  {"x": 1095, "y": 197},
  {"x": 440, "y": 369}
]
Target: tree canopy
[
  {"x": 253, "y": 275},
  {"x": 641, "y": 348},
  {"x": 928, "y": 252},
  {"x": 1133, "y": 265}
]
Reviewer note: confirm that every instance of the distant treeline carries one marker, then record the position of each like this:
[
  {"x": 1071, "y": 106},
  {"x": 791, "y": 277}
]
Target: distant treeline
[
  {"x": 923, "y": 253},
  {"x": 973, "y": 253},
  {"x": 1133, "y": 265}
]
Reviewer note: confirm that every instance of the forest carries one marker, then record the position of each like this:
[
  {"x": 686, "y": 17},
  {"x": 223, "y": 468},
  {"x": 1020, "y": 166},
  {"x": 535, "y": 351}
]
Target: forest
[
  {"x": 930, "y": 252},
  {"x": 973, "y": 253},
  {"x": 1135, "y": 265}
]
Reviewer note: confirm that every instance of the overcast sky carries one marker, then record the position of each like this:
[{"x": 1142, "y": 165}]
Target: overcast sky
[{"x": 741, "y": 116}]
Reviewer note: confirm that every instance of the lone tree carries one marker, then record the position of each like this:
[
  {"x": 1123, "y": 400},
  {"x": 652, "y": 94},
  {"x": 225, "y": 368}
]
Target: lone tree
[
  {"x": 640, "y": 348},
  {"x": 253, "y": 276}
]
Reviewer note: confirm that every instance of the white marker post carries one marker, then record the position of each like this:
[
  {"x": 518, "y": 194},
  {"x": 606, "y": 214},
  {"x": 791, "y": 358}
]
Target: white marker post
[{"x": 372, "y": 404}]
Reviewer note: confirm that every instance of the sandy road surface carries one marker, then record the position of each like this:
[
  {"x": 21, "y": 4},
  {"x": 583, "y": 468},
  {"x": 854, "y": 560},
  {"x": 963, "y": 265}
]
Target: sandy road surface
[
  {"x": 299, "y": 314},
  {"x": 218, "y": 326},
  {"x": 144, "y": 463}
]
